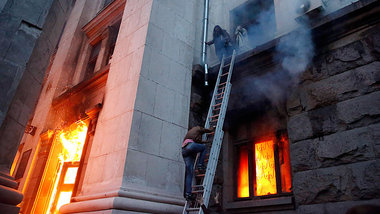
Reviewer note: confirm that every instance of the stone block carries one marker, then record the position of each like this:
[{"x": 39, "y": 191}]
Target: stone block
[
  {"x": 22, "y": 44},
  {"x": 180, "y": 114},
  {"x": 159, "y": 69},
  {"x": 338, "y": 207},
  {"x": 175, "y": 177},
  {"x": 363, "y": 107},
  {"x": 343, "y": 86},
  {"x": 154, "y": 38},
  {"x": 11, "y": 133},
  {"x": 299, "y": 127},
  {"x": 357, "y": 181},
  {"x": 340, "y": 148},
  {"x": 149, "y": 135},
  {"x": 10, "y": 76},
  {"x": 352, "y": 113},
  {"x": 171, "y": 140},
  {"x": 155, "y": 176},
  {"x": 136, "y": 167},
  {"x": 164, "y": 103},
  {"x": 146, "y": 94},
  {"x": 339, "y": 60},
  {"x": 162, "y": 15}
]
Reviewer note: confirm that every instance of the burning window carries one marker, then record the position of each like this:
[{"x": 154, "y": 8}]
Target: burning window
[
  {"x": 61, "y": 169},
  {"x": 263, "y": 168}
]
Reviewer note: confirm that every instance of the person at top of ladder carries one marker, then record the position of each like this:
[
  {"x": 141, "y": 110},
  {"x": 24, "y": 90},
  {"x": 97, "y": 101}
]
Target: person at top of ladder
[
  {"x": 191, "y": 146},
  {"x": 222, "y": 41}
]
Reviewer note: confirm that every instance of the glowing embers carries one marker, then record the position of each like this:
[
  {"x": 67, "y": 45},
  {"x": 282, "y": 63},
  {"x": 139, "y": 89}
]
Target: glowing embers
[
  {"x": 265, "y": 168},
  {"x": 243, "y": 173}
]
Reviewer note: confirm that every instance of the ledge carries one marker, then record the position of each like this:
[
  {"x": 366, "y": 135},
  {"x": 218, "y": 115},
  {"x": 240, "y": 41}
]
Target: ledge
[
  {"x": 325, "y": 30},
  {"x": 95, "y": 80},
  {"x": 279, "y": 203}
]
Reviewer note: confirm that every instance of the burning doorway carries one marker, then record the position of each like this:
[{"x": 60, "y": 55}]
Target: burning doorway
[{"x": 60, "y": 174}]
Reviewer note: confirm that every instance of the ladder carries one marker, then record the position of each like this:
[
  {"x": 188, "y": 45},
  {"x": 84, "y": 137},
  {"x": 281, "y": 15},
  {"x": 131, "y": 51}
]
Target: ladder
[{"x": 215, "y": 118}]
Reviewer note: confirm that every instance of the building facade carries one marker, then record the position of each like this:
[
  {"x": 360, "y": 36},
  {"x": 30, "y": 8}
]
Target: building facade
[{"x": 124, "y": 85}]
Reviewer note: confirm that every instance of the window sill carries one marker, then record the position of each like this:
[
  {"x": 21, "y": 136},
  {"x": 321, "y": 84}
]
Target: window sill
[{"x": 268, "y": 204}]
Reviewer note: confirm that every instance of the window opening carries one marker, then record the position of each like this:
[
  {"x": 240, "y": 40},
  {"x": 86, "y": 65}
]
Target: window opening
[
  {"x": 93, "y": 57},
  {"x": 268, "y": 173}
]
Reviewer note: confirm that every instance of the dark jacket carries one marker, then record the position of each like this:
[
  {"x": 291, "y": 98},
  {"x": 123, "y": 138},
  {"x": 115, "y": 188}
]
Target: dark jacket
[{"x": 196, "y": 133}]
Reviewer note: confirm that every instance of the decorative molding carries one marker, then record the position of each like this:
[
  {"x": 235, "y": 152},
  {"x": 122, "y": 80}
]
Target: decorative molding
[{"x": 108, "y": 16}]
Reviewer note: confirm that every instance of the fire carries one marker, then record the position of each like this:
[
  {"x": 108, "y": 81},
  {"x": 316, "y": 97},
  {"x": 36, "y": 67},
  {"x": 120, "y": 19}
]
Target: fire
[
  {"x": 243, "y": 176},
  {"x": 73, "y": 141},
  {"x": 265, "y": 168}
]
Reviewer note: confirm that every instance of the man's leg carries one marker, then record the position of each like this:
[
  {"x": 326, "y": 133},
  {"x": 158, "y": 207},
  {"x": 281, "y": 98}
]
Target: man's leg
[
  {"x": 201, "y": 149},
  {"x": 189, "y": 162}
]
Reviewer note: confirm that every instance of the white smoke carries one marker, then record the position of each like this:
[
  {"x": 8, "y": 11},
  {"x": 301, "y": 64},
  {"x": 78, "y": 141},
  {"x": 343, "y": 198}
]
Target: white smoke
[{"x": 294, "y": 52}]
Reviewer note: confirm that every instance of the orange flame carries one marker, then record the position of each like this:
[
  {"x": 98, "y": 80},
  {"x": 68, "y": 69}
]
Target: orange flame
[
  {"x": 243, "y": 176},
  {"x": 73, "y": 141},
  {"x": 265, "y": 168}
]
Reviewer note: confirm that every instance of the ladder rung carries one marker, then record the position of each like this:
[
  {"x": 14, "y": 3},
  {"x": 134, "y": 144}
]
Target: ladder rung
[
  {"x": 225, "y": 74},
  {"x": 221, "y": 84},
  {"x": 217, "y": 115},
  {"x": 200, "y": 175},
  {"x": 197, "y": 191},
  {"x": 197, "y": 186},
  {"x": 192, "y": 209},
  {"x": 217, "y": 104},
  {"x": 220, "y": 93},
  {"x": 211, "y": 133}
]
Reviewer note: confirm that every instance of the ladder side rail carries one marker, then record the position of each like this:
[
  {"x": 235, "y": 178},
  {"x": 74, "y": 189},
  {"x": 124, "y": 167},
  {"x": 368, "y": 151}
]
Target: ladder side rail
[
  {"x": 223, "y": 108},
  {"x": 207, "y": 123},
  {"x": 184, "y": 208},
  {"x": 215, "y": 150},
  {"x": 232, "y": 63}
]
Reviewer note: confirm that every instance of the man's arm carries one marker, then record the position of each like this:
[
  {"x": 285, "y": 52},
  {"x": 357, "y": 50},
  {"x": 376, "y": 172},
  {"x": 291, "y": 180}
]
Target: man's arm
[{"x": 210, "y": 42}]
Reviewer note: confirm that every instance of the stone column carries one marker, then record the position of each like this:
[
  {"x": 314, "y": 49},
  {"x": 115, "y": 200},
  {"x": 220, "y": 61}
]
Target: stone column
[
  {"x": 135, "y": 163},
  {"x": 9, "y": 196}
]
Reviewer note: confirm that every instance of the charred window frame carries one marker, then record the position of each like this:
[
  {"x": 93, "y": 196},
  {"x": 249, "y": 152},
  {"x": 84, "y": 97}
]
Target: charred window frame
[
  {"x": 114, "y": 32},
  {"x": 283, "y": 188},
  {"x": 95, "y": 49}
]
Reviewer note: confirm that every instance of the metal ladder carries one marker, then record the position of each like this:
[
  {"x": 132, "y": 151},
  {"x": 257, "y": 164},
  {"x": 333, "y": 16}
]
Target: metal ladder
[{"x": 215, "y": 117}]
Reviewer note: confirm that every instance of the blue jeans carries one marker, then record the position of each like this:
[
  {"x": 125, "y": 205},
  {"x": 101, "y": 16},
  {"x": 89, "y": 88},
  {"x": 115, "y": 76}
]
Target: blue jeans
[{"x": 189, "y": 153}]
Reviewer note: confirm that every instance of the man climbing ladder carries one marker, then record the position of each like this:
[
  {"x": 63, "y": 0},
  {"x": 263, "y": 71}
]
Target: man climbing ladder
[{"x": 198, "y": 199}]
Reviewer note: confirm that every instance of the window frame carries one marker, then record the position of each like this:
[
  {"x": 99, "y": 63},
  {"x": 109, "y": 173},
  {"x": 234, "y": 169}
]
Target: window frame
[{"x": 252, "y": 168}]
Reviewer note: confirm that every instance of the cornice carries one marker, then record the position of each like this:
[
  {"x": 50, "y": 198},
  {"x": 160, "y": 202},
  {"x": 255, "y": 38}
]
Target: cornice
[{"x": 113, "y": 12}]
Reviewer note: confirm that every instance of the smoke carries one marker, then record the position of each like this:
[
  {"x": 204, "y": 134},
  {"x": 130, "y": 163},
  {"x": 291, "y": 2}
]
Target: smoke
[{"x": 293, "y": 53}]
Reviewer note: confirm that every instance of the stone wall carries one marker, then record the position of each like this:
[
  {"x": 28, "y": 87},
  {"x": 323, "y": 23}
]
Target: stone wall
[
  {"x": 29, "y": 34},
  {"x": 334, "y": 127}
]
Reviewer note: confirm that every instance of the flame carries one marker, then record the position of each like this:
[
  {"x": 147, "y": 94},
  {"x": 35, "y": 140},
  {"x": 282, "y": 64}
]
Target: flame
[
  {"x": 265, "y": 168},
  {"x": 73, "y": 140},
  {"x": 243, "y": 176}
]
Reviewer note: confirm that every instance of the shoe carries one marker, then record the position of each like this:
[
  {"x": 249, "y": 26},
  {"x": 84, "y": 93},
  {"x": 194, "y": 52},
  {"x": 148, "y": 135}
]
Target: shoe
[
  {"x": 190, "y": 197},
  {"x": 201, "y": 169}
]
